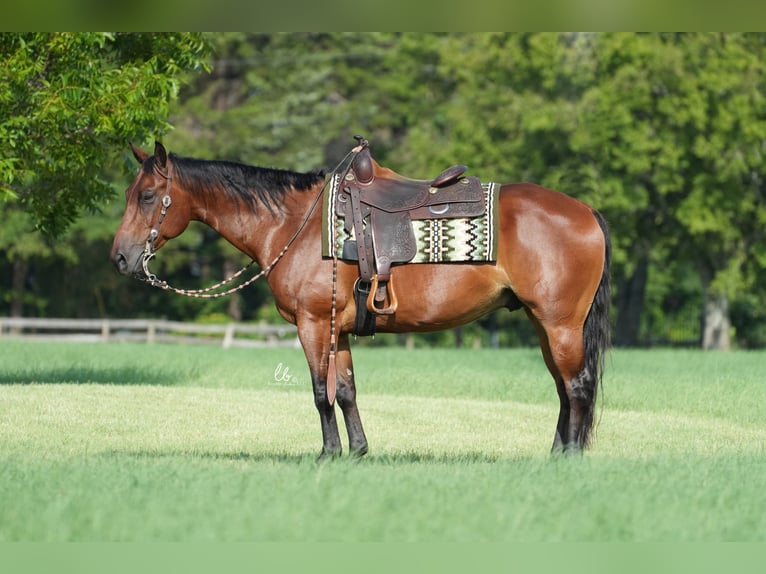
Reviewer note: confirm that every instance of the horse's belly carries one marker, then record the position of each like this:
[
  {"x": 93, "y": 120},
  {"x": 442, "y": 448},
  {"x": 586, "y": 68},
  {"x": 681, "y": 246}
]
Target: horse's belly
[{"x": 441, "y": 296}]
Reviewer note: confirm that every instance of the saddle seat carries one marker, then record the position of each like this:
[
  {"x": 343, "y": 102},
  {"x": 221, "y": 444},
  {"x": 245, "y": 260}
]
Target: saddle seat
[
  {"x": 379, "y": 205},
  {"x": 387, "y": 190}
]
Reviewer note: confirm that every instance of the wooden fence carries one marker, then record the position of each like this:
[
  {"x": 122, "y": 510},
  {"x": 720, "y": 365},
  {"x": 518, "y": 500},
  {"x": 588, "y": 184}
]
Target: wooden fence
[{"x": 149, "y": 331}]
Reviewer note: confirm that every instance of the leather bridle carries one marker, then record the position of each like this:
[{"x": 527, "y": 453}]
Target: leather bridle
[{"x": 149, "y": 250}]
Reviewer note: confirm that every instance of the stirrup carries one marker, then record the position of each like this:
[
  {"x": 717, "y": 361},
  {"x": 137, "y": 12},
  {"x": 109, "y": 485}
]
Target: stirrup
[{"x": 393, "y": 301}]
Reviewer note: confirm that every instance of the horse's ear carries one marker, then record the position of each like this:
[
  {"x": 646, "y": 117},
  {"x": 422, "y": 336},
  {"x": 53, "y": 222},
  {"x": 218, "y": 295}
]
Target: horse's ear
[
  {"x": 160, "y": 155},
  {"x": 139, "y": 154}
]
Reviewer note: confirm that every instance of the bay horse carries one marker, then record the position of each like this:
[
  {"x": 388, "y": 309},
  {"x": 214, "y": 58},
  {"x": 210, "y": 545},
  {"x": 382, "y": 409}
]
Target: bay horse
[{"x": 553, "y": 261}]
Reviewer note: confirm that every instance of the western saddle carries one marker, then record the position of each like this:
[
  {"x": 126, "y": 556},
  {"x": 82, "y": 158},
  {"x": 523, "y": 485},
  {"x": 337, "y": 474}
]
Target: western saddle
[{"x": 378, "y": 206}]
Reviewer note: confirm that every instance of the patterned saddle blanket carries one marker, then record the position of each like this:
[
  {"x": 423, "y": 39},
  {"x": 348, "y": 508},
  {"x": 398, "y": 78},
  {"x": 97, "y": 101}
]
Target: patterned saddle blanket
[{"x": 443, "y": 236}]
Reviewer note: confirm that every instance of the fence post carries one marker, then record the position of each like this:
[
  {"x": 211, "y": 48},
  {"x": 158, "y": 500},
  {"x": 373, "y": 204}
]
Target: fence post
[
  {"x": 228, "y": 337},
  {"x": 151, "y": 332},
  {"x": 105, "y": 330}
]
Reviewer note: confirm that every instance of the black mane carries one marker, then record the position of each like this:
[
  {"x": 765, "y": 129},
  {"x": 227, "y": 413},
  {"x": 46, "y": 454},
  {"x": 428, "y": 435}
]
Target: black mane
[{"x": 252, "y": 185}]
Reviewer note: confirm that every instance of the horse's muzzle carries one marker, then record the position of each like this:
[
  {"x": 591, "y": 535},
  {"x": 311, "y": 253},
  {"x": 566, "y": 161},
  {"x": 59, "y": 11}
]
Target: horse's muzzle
[{"x": 127, "y": 262}]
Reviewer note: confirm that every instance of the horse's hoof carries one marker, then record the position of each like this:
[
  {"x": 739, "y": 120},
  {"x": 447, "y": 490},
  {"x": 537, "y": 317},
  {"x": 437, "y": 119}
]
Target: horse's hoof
[
  {"x": 567, "y": 451},
  {"x": 327, "y": 455},
  {"x": 358, "y": 453}
]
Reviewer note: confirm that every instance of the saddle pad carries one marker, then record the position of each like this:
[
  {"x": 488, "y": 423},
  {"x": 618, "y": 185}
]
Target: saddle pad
[{"x": 460, "y": 239}]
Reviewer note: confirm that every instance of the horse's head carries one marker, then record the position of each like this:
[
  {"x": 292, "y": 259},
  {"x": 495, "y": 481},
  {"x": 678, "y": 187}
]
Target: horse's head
[{"x": 155, "y": 211}]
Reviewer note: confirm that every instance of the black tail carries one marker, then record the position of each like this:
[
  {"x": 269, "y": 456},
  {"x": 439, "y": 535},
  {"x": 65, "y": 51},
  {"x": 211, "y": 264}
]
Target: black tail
[{"x": 596, "y": 331}]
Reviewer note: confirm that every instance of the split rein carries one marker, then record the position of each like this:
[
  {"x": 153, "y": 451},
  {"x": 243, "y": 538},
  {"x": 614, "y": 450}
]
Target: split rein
[{"x": 210, "y": 292}]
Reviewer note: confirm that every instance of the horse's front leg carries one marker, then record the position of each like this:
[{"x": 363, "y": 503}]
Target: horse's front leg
[
  {"x": 346, "y": 396},
  {"x": 314, "y": 337}
]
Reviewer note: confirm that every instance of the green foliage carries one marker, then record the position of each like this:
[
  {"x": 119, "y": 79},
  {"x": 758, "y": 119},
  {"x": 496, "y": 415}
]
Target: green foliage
[{"x": 69, "y": 102}]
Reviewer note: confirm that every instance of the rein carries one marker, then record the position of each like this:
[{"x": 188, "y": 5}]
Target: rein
[
  {"x": 207, "y": 293},
  {"x": 331, "y": 381}
]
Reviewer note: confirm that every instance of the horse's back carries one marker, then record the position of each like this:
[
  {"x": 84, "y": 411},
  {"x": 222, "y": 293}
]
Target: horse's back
[{"x": 528, "y": 203}]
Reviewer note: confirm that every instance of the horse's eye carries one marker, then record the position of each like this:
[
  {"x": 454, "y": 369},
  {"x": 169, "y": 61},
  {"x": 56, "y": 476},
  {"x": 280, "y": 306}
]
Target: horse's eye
[{"x": 148, "y": 196}]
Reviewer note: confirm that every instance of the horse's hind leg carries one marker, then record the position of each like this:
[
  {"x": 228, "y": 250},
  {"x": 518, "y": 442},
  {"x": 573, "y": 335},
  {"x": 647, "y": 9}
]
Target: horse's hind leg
[
  {"x": 564, "y": 355},
  {"x": 346, "y": 396}
]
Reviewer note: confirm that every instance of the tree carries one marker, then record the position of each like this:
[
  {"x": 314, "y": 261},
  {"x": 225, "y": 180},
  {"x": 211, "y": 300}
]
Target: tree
[
  {"x": 294, "y": 100},
  {"x": 70, "y": 102},
  {"x": 69, "y": 105},
  {"x": 724, "y": 210},
  {"x": 664, "y": 133},
  {"x": 674, "y": 130}
]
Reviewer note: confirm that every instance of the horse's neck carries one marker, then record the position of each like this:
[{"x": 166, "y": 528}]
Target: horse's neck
[{"x": 261, "y": 233}]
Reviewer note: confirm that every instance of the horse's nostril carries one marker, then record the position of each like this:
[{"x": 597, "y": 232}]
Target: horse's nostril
[{"x": 120, "y": 263}]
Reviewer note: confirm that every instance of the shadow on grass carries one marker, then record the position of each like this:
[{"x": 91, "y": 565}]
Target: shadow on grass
[
  {"x": 405, "y": 458},
  {"x": 98, "y": 376}
]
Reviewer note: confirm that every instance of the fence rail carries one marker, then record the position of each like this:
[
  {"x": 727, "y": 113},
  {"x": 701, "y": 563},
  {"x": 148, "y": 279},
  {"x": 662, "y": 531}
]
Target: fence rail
[{"x": 150, "y": 331}]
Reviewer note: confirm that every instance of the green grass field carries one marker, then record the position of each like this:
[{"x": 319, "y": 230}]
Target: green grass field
[{"x": 172, "y": 443}]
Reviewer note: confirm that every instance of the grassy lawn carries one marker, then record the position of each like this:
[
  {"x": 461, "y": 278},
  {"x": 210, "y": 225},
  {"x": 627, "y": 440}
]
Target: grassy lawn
[{"x": 165, "y": 443}]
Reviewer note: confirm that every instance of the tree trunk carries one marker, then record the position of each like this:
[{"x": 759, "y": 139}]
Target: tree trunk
[
  {"x": 630, "y": 305},
  {"x": 20, "y": 271},
  {"x": 716, "y": 323},
  {"x": 18, "y": 285}
]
